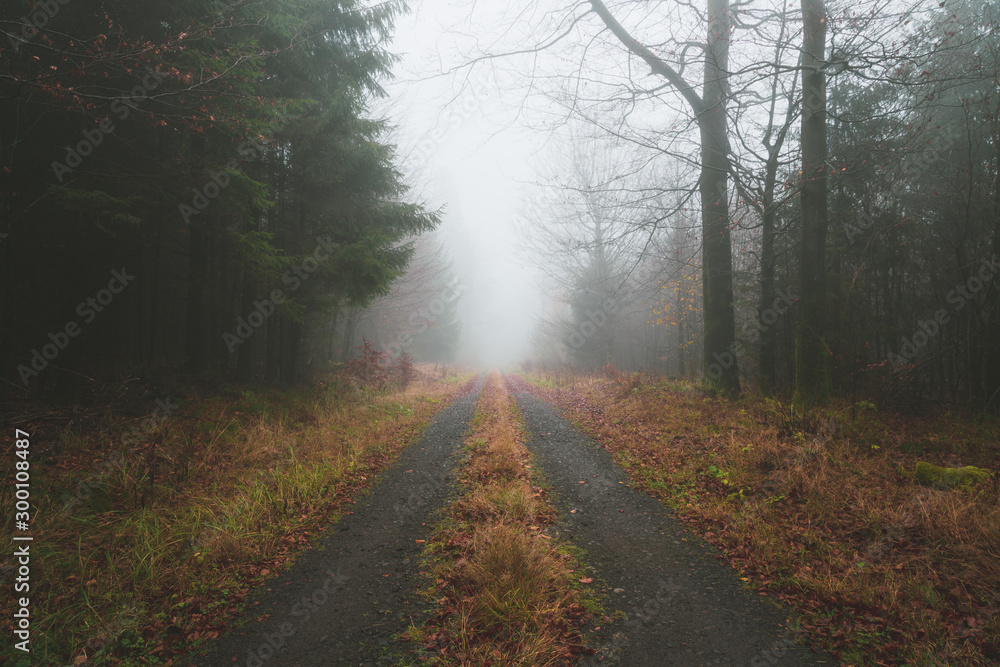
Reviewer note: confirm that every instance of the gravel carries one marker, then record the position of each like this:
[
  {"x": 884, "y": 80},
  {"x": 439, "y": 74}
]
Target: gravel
[
  {"x": 681, "y": 605},
  {"x": 346, "y": 598}
]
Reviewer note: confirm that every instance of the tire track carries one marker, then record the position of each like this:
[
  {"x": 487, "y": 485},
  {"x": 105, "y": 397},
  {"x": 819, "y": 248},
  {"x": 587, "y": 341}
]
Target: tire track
[
  {"x": 345, "y": 599},
  {"x": 682, "y": 606}
]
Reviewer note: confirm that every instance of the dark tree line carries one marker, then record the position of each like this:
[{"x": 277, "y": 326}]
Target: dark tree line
[{"x": 219, "y": 159}]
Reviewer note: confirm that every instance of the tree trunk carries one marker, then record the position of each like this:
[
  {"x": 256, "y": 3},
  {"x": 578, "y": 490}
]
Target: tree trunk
[
  {"x": 721, "y": 362},
  {"x": 768, "y": 334},
  {"x": 246, "y": 353},
  {"x": 348, "y": 342},
  {"x": 720, "y": 358},
  {"x": 680, "y": 334},
  {"x": 196, "y": 324},
  {"x": 154, "y": 298},
  {"x": 812, "y": 380},
  {"x": 992, "y": 366},
  {"x": 766, "y": 371}
]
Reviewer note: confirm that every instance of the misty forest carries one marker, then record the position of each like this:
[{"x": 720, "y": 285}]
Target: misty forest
[{"x": 513, "y": 333}]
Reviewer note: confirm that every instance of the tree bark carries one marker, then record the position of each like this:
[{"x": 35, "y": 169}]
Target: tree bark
[
  {"x": 720, "y": 359},
  {"x": 766, "y": 371},
  {"x": 196, "y": 349},
  {"x": 992, "y": 365},
  {"x": 246, "y": 353},
  {"x": 812, "y": 379},
  {"x": 768, "y": 334}
]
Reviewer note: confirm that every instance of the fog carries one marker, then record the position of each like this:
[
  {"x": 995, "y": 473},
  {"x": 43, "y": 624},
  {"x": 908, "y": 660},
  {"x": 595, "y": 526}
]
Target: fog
[
  {"x": 253, "y": 264},
  {"x": 615, "y": 186},
  {"x": 570, "y": 171},
  {"x": 466, "y": 152}
]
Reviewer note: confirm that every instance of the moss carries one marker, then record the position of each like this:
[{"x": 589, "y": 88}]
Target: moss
[{"x": 947, "y": 478}]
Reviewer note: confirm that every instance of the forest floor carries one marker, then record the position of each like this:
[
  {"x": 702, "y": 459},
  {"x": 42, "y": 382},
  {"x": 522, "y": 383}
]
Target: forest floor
[
  {"x": 660, "y": 526},
  {"x": 821, "y": 511}
]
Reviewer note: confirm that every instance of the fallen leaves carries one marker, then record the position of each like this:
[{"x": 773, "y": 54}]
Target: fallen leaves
[{"x": 708, "y": 460}]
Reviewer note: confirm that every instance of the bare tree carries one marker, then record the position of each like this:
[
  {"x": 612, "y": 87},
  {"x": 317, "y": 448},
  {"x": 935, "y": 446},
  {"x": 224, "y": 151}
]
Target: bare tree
[
  {"x": 582, "y": 235},
  {"x": 709, "y": 112},
  {"x": 812, "y": 382}
]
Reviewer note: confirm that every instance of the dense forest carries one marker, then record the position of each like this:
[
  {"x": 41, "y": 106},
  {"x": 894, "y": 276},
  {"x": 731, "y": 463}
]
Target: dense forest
[
  {"x": 804, "y": 201},
  {"x": 733, "y": 267},
  {"x": 795, "y": 199},
  {"x": 195, "y": 186}
]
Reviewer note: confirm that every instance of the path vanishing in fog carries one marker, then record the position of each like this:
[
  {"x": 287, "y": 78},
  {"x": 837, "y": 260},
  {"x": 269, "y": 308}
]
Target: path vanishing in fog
[{"x": 345, "y": 600}]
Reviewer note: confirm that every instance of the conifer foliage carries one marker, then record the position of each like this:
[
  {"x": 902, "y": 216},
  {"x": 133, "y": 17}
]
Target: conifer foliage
[{"x": 219, "y": 158}]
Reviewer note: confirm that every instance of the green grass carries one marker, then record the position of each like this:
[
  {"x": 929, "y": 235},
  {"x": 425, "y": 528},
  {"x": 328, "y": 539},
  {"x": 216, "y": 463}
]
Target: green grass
[{"x": 195, "y": 512}]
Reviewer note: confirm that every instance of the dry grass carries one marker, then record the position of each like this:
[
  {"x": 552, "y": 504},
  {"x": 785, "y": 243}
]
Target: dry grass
[
  {"x": 503, "y": 502},
  {"x": 506, "y": 594},
  {"x": 163, "y": 544},
  {"x": 822, "y": 511}
]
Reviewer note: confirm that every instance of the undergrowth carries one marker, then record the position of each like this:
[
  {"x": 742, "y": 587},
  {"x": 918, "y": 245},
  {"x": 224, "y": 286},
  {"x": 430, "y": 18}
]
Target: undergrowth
[
  {"x": 150, "y": 529},
  {"x": 821, "y": 510}
]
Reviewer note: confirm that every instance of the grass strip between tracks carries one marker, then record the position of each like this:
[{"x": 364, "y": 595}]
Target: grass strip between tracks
[{"x": 506, "y": 592}]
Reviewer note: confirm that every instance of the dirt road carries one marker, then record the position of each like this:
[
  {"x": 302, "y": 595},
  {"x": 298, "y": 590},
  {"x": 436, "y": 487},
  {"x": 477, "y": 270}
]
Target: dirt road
[
  {"x": 682, "y": 606},
  {"x": 345, "y": 600}
]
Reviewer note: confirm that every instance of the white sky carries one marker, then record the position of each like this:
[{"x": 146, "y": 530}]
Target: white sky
[
  {"x": 466, "y": 144},
  {"x": 461, "y": 151}
]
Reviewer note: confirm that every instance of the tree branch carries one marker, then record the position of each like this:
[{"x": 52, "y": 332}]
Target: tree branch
[{"x": 658, "y": 65}]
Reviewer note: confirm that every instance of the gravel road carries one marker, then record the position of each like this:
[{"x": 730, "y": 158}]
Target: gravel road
[
  {"x": 345, "y": 598},
  {"x": 682, "y": 606}
]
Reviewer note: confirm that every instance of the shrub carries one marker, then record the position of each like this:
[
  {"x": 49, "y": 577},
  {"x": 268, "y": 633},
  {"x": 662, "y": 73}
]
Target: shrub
[
  {"x": 404, "y": 370},
  {"x": 628, "y": 382},
  {"x": 370, "y": 368}
]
